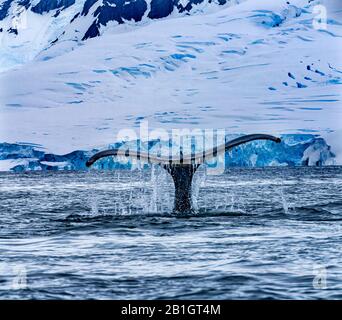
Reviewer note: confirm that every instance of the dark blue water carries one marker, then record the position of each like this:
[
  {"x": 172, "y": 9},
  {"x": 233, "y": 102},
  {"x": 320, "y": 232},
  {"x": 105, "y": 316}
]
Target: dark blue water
[{"x": 258, "y": 233}]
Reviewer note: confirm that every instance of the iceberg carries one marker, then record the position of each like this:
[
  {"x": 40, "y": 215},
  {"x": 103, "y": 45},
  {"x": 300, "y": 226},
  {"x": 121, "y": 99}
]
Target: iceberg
[{"x": 294, "y": 150}]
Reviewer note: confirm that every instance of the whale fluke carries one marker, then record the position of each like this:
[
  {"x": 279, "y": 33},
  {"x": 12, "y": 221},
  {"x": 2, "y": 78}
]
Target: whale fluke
[
  {"x": 196, "y": 158},
  {"x": 181, "y": 169}
]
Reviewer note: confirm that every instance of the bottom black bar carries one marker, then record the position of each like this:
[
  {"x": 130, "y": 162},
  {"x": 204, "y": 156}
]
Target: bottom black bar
[{"x": 168, "y": 309}]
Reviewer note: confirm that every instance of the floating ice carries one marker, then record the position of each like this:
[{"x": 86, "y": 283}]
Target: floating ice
[{"x": 294, "y": 150}]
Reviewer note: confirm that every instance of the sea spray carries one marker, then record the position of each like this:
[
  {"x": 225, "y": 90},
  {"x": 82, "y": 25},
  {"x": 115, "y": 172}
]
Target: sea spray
[
  {"x": 198, "y": 182},
  {"x": 161, "y": 198},
  {"x": 287, "y": 207},
  {"x": 92, "y": 198}
]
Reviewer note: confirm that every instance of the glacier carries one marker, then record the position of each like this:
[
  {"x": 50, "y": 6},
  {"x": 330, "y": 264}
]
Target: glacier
[
  {"x": 294, "y": 150},
  {"x": 28, "y": 27},
  {"x": 244, "y": 66}
]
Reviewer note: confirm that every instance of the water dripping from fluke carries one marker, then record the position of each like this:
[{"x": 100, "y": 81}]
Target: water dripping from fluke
[{"x": 181, "y": 169}]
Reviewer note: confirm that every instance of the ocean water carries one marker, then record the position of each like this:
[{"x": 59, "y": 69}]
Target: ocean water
[{"x": 261, "y": 233}]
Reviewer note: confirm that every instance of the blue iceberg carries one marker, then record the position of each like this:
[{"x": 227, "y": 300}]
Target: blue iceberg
[{"x": 294, "y": 150}]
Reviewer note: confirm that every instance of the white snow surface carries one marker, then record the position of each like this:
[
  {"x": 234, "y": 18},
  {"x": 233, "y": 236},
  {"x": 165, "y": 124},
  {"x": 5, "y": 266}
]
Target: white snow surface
[
  {"x": 221, "y": 70},
  {"x": 8, "y": 164}
]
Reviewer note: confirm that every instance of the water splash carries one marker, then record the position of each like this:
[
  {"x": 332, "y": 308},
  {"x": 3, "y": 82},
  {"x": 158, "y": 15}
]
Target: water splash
[
  {"x": 92, "y": 198},
  {"x": 237, "y": 204},
  {"x": 94, "y": 206},
  {"x": 198, "y": 182},
  {"x": 288, "y": 207},
  {"x": 161, "y": 199},
  {"x": 154, "y": 181}
]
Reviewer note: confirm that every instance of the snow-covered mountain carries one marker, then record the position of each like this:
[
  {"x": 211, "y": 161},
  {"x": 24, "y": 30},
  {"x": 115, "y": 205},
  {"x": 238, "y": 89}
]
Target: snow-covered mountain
[
  {"x": 29, "y": 26},
  {"x": 75, "y": 72}
]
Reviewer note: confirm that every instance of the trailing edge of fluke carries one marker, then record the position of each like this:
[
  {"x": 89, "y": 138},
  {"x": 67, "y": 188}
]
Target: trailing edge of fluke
[{"x": 197, "y": 158}]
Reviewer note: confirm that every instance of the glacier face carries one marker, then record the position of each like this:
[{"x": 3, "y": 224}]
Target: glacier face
[
  {"x": 259, "y": 66},
  {"x": 294, "y": 150}
]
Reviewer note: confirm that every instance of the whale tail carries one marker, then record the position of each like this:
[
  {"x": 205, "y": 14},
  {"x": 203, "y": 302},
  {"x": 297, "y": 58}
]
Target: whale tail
[{"x": 183, "y": 168}]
